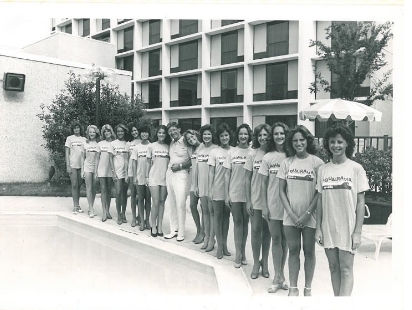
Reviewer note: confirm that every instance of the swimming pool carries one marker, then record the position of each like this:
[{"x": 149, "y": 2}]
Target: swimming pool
[{"x": 63, "y": 257}]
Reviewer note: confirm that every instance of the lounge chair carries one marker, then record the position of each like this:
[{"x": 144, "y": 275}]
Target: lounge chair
[{"x": 377, "y": 233}]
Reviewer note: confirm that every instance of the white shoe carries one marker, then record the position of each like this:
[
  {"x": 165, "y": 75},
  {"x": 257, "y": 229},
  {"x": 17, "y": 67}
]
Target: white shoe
[
  {"x": 171, "y": 235},
  {"x": 180, "y": 238}
]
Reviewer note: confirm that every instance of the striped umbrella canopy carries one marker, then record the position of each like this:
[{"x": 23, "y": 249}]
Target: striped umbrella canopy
[{"x": 341, "y": 110}]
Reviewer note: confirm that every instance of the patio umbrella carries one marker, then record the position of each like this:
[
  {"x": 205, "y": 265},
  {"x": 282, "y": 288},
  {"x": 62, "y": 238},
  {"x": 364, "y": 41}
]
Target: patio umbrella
[{"x": 339, "y": 109}]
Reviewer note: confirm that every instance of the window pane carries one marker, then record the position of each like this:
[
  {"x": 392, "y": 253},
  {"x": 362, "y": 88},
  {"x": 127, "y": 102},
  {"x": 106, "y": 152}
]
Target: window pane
[
  {"x": 154, "y": 95},
  {"x": 229, "y": 86},
  {"x": 86, "y": 27},
  {"x": 229, "y": 48},
  {"x": 188, "y": 90},
  {"x": 154, "y": 31},
  {"x": 188, "y": 26},
  {"x": 231, "y": 121},
  {"x": 128, "y": 39},
  {"x": 276, "y": 81},
  {"x": 278, "y": 38},
  {"x": 188, "y": 56},
  {"x": 226, "y": 22},
  {"x": 105, "y": 23},
  {"x": 68, "y": 28},
  {"x": 189, "y": 123},
  {"x": 290, "y": 120},
  {"x": 154, "y": 63}
]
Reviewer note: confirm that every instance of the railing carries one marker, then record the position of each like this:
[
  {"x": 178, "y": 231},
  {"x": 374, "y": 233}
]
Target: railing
[{"x": 367, "y": 142}]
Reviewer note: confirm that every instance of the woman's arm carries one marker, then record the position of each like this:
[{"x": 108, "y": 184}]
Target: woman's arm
[
  {"x": 360, "y": 214},
  {"x": 134, "y": 169},
  {"x": 228, "y": 200},
  {"x": 96, "y": 166},
  {"x": 148, "y": 167},
  {"x": 248, "y": 190},
  {"x": 265, "y": 208},
  {"x": 111, "y": 160},
  {"x": 285, "y": 201},
  {"x": 67, "y": 155},
  {"x": 319, "y": 218},
  {"x": 196, "y": 182},
  {"x": 303, "y": 218},
  {"x": 211, "y": 179},
  {"x": 82, "y": 158}
]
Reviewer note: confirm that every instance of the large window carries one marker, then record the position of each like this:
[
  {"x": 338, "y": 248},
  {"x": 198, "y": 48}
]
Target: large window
[
  {"x": 229, "y": 86},
  {"x": 154, "y": 31},
  {"x": 188, "y": 56},
  {"x": 128, "y": 39},
  {"x": 154, "y": 63},
  {"x": 277, "y": 81},
  {"x": 125, "y": 63},
  {"x": 188, "y": 91},
  {"x": 229, "y": 48},
  {"x": 290, "y": 120},
  {"x": 68, "y": 28},
  {"x": 86, "y": 27},
  {"x": 278, "y": 38},
  {"x": 231, "y": 121},
  {"x": 189, "y": 123},
  {"x": 154, "y": 95},
  {"x": 187, "y": 26},
  {"x": 105, "y": 23},
  {"x": 226, "y": 22},
  {"x": 104, "y": 37}
]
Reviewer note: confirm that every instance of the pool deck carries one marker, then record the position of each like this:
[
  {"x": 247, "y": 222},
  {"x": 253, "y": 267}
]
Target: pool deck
[{"x": 374, "y": 279}]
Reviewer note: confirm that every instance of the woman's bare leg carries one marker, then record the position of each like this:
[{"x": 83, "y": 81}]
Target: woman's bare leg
[
  {"x": 196, "y": 217},
  {"x": 204, "y": 203},
  {"x": 279, "y": 250},
  {"x": 308, "y": 241},
  {"x": 132, "y": 188},
  {"x": 293, "y": 238}
]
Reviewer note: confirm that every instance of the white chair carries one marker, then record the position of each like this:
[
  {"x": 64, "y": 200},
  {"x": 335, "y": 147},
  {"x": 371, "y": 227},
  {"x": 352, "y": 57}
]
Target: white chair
[{"x": 377, "y": 233}]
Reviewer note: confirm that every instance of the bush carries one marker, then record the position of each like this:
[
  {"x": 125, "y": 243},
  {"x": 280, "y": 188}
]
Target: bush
[
  {"x": 77, "y": 103},
  {"x": 378, "y": 167}
]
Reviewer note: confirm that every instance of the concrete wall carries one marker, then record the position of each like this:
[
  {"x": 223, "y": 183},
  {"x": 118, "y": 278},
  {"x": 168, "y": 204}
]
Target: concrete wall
[
  {"x": 23, "y": 157},
  {"x": 73, "y": 48}
]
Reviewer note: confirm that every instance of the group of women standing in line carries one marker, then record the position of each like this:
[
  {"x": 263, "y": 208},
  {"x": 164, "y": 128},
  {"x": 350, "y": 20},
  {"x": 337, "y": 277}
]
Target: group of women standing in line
[{"x": 271, "y": 176}]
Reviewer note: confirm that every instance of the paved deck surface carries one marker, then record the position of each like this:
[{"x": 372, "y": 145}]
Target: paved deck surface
[{"x": 373, "y": 278}]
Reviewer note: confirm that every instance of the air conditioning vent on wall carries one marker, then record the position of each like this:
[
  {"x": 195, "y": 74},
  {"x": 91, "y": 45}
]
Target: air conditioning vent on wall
[{"x": 13, "y": 81}]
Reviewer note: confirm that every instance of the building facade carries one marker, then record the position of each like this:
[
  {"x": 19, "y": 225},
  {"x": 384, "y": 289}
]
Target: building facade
[{"x": 209, "y": 71}]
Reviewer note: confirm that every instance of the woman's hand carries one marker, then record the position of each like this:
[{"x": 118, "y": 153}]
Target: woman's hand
[
  {"x": 146, "y": 181},
  {"x": 82, "y": 174},
  {"x": 228, "y": 202},
  {"x": 266, "y": 213},
  {"x": 114, "y": 178},
  {"x": 302, "y": 220},
  {"x": 69, "y": 170},
  {"x": 96, "y": 177},
  {"x": 175, "y": 167},
  {"x": 196, "y": 191},
  {"x": 319, "y": 237},
  {"x": 356, "y": 240},
  {"x": 249, "y": 208},
  {"x": 135, "y": 181}
]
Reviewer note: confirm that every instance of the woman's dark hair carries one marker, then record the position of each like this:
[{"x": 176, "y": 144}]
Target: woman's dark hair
[
  {"x": 144, "y": 128},
  {"x": 74, "y": 125},
  {"x": 249, "y": 132},
  {"x": 130, "y": 128},
  {"x": 346, "y": 134},
  {"x": 271, "y": 141},
  {"x": 124, "y": 129},
  {"x": 221, "y": 129},
  {"x": 167, "y": 139},
  {"x": 256, "y": 131},
  {"x": 311, "y": 146},
  {"x": 203, "y": 129}
]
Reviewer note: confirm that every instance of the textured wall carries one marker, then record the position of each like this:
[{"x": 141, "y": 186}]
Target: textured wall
[{"x": 23, "y": 158}]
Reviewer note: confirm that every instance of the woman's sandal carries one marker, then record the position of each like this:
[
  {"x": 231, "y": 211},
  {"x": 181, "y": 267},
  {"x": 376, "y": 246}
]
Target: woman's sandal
[
  {"x": 278, "y": 286},
  {"x": 307, "y": 290},
  {"x": 293, "y": 287}
]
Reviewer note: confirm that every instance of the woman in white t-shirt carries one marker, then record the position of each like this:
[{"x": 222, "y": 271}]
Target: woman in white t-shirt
[
  {"x": 157, "y": 162},
  {"x": 272, "y": 210},
  {"x": 297, "y": 189},
  {"x": 202, "y": 184},
  {"x": 217, "y": 188},
  {"x": 73, "y": 151},
  {"x": 235, "y": 184},
  {"x": 191, "y": 137},
  {"x": 341, "y": 184},
  {"x": 104, "y": 170},
  {"x": 119, "y": 161},
  {"x": 90, "y": 160},
  {"x": 139, "y": 157},
  {"x": 260, "y": 235},
  {"x": 134, "y": 132}
]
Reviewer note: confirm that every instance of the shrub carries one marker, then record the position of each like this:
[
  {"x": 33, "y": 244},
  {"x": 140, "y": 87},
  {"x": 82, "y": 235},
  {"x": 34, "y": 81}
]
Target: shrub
[
  {"x": 77, "y": 102},
  {"x": 378, "y": 167}
]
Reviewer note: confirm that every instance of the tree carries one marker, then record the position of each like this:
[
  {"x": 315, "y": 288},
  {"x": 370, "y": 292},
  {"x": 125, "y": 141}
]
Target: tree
[
  {"x": 77, "y": 103},
  {"x": 356, "y": 52}
]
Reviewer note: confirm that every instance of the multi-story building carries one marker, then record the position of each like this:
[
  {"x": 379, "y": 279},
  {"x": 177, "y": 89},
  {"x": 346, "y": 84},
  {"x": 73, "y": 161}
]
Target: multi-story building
[{"x": 208, "y": 71}]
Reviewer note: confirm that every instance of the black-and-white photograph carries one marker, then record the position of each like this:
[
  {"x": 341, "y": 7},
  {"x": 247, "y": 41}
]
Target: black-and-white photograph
[{"x": 201, "y": 155}]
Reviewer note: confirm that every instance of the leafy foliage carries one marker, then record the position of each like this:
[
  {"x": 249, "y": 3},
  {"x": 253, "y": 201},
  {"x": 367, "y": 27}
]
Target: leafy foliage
[
  {"x": 77, "y": 103},
  {"x": 356, "y": 53}
]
